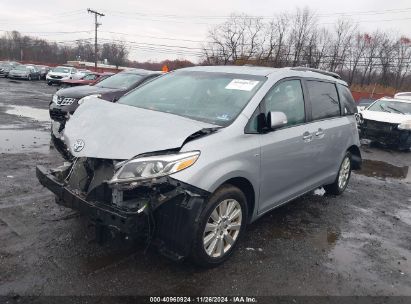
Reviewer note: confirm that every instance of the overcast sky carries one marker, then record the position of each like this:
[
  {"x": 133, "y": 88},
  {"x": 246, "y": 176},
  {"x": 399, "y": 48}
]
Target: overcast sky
[{"x": 180, "y": 25}]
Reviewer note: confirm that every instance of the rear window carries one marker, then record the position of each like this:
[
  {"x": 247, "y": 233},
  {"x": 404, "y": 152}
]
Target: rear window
[
  {"x": 324, "y": 99},
  {"x": 348, "y": 105}
]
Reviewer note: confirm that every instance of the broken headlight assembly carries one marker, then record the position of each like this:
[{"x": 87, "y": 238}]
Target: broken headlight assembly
[
  {"x": 406, "y": 125},
  {"x": 82, "y": 100},
  {"x": 149, "y": 167}
]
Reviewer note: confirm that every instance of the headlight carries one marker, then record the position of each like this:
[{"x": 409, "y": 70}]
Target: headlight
[
  {"x": 406, "y": 125},
  {"x": 55, "y": 98},
  {"x": 154, "y": 166},
  {"x": 82, "y": 100}
]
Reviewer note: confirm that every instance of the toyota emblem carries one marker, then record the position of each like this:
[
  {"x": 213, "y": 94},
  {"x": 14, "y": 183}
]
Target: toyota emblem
[{"x": 78, "y": 145}]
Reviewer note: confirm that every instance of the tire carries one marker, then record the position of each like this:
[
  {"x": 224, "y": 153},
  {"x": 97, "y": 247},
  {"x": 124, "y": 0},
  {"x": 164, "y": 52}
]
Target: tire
[
  {"x": 49, "y": 83},
  {"x": 29, "y": 78},
  {"x": 221, "y": 240},
  {"x": 343, "y": 177}
]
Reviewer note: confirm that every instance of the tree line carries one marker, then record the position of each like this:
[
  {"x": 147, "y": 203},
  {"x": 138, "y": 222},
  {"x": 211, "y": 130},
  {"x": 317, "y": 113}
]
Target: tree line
[
  {"x": 15, "y": 46},
  {"x": 297, "y": 39}
]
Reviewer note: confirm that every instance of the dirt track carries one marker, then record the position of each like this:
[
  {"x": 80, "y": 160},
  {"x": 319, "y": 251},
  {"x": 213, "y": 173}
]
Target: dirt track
[{"x": 355, "y": 244}]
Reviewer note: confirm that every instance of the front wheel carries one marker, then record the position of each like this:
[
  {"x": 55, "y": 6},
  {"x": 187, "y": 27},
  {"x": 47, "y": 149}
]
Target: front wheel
[
  {"x": 221, "y": 225},
  {"x": 29, "y": 78},
  {"x": 344, "y": 174}
]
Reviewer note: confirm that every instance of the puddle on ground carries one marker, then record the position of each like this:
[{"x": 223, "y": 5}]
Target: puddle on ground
[
  {"x": 376, "y": 168},
  {"x": 23, "y": 141},
  {"x": 29, "y": 112}
]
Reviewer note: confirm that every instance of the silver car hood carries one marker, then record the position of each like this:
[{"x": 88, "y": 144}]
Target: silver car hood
[{"x": 102, "y": 129}]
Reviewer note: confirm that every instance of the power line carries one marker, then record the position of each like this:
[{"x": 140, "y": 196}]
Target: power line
[{"x": 208, "y": 17}]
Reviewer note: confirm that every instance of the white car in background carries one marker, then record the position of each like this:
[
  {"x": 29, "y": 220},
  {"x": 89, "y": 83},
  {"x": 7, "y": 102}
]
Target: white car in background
[
  {"x": 388, "y": 121},
  {"x": 81, "y": 73},
  {"x": 57, "y": 74},
  {"x": 403, "y": 95}
]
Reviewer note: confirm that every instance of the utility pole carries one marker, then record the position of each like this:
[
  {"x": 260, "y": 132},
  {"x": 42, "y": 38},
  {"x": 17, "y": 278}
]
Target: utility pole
[{"x": 95, "y": 36}]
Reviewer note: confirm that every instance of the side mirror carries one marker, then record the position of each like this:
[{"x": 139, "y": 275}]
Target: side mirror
[{"x": 276, "y": 120}]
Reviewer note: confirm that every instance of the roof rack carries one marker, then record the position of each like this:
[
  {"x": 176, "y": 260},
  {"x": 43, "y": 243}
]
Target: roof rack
[{"x": 335, "y": 75}]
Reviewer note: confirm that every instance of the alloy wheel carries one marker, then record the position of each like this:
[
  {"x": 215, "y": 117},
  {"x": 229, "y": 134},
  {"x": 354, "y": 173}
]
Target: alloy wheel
[
  {"x": 222, "y": 228},
  {"x": 344, "y": 173}
]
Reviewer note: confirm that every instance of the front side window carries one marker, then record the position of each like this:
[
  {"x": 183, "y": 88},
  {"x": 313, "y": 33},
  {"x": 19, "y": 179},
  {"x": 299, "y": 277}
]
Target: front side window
[
  {"x": 216, "y": 98},
  {"x": 287, "y": 97},
  {"x": 324, "y": 99}
]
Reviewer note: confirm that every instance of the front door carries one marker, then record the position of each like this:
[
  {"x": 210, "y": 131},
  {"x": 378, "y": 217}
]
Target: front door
[{"x": 286, "y": 153}]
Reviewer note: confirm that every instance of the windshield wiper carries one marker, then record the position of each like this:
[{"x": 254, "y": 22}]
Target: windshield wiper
[
  {"x": 384, "y": 109},
  {"x": 401, "y": 112}
]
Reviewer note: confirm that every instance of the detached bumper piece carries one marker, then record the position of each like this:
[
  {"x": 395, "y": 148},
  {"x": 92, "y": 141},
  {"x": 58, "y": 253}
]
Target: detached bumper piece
[
  {"x": 385, "y": 133},
  {"x": 165, "y": 210}
]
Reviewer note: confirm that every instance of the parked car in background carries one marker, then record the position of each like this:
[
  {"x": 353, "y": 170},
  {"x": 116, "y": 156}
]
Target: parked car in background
[
  {"x": 201, "y": 152},
  {"x": 81, "y": 73},
  {"x": 66, "y": 101},
  {"x": 89, "y": 79},
  {"x": 388, "y": 121},
  {"x": 6, "y": 67},
  {"x": 57, "y": 74},
  {"x": 28, "y": 72},
  {"x": 43, "y": 70},
  {"x": 403, "y": 95}
]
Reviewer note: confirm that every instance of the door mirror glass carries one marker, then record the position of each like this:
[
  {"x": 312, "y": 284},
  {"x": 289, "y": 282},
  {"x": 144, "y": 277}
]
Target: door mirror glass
[{"x": 276, "y": 120}]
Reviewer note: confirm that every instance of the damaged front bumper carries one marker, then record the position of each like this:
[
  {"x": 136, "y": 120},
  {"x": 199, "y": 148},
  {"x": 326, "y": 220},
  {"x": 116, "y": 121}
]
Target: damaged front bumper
[
  {"x": 165, "y": 210},
  {"x": 385, "y": 133}
]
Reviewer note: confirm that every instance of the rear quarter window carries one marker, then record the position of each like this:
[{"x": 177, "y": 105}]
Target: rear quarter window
[
  {"x": 324, "y": 99},
  {"x": 348, "y": 105}
]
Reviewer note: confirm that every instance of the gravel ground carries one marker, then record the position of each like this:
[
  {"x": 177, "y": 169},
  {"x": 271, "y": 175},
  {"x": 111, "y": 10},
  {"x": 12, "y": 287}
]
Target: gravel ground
[{"x": 355, "y": 244}]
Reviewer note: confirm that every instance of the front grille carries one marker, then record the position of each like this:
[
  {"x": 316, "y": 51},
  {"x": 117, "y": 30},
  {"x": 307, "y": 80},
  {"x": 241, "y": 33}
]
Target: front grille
[
  {"x": 379, "y": 126},
  {"x": 56, "y": 77},
  {"x": 65, "y": 101}
]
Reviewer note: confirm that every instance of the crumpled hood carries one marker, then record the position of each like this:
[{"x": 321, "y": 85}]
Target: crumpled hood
[
  {"x": 116, "y": 131},
  {"x": 385, "y": 116},
  {"x": 82, "y": 91}
]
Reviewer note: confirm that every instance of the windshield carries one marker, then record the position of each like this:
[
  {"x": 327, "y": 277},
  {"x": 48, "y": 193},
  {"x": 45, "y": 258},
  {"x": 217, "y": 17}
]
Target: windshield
[
  {"x": 119, "y": 81},
  {"x": 21, "y": 68},
  {"x": 391, "y": 106},
  {"x": 61, "y": 70},
  {"x": 216, "y": 98}
]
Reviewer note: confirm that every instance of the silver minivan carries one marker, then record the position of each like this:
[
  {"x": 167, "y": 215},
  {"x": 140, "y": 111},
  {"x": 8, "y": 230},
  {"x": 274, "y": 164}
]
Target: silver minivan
[{"x": 192, "y": 157}]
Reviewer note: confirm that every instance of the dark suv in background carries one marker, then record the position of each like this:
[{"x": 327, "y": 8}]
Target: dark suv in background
[{"x": 66, "y": 101}]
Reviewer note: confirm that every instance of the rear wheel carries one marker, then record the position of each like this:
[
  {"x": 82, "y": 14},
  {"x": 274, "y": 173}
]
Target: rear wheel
[
  {"x": 221, "y": 225},
  {"x": 344, "y": 174}
]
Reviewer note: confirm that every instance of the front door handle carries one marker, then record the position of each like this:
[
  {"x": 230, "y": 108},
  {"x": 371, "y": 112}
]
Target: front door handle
[
  {"x": 307, "y": 137},
  {"x": 319, "y": 133}
]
